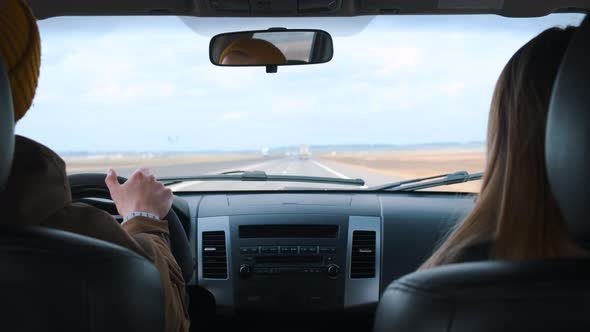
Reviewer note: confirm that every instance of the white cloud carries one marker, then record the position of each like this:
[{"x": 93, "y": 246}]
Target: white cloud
[
  {"x": 453, "y": 89},
  {"x": 234, "y": 116},
  {"x": 292, "y": 105},
  {"x": 395, "y": 58}
]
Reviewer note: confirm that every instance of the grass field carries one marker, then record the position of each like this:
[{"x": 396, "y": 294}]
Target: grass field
[
  {"x": 101, "y": 163},
  {"x": 405, "y": 165}
]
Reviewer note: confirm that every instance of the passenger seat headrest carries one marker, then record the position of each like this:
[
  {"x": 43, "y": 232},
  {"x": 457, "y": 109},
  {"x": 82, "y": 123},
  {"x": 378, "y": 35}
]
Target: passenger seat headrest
[
  {"x": 567, "y": 146},
  {"x": 6, "y": 127}
]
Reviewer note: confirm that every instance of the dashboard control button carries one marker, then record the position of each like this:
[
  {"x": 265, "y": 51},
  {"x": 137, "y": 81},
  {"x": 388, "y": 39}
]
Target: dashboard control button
[
  {"x": 308, "y": 249},
  {"x": 288, "y": 250},
  {"x": 245, "y": 271},
  {"x": 269, "y": 250},
  {"x": 327, "y": 250},
  {"x": 333, "y": 270},
  {"x": 248, "y": 250}
]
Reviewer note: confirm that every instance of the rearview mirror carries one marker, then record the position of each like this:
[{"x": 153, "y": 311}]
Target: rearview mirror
[{"x": 271, "y": 48}]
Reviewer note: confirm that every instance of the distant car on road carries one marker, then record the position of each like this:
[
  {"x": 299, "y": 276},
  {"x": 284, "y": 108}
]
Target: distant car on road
[
  {"x": 265, "y": 152},
  {"x": 304, "y": 152}
]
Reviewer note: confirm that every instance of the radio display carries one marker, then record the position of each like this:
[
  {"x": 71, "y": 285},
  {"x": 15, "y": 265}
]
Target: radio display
[{"x": 288, "y": 231}]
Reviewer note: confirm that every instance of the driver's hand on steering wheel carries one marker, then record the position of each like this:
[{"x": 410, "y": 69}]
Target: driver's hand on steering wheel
[{"x": 140, "y": 193}]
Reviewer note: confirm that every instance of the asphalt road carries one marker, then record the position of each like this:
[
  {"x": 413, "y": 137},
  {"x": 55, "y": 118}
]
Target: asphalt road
[{"x": 283, "y": 166}]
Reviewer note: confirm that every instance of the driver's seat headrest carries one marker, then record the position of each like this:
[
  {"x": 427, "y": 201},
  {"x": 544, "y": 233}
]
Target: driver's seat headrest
[
  {"x": 6, "y": 126},
  {"x": 567, "y": 148}
]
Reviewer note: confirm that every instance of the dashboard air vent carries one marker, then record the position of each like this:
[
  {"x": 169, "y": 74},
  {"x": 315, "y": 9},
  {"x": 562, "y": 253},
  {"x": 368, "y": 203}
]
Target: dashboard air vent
[
  {"x": 362, "y": 264},
  {"x": 214, "y": 255}
]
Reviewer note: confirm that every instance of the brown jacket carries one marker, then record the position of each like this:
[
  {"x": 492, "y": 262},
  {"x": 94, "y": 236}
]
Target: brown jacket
[{"x": 38, "y": 193}]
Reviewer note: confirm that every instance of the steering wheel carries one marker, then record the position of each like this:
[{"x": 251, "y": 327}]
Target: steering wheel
[{"x": 93, "y": 185}]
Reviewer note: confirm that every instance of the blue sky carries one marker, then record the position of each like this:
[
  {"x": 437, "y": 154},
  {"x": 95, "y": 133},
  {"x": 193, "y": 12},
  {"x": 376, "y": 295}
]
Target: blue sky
[{"x": 146, "y": 84}]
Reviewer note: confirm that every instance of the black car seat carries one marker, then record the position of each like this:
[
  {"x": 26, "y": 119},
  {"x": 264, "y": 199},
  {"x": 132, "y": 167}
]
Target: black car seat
[
  {"x": 546, "y": 295},
  {"x": 58, "y": 281}
]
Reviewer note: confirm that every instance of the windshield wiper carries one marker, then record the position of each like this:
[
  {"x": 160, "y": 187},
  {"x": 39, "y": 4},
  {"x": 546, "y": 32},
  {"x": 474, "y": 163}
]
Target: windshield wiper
[
  {"x": 233, "y": 172},
  {"x": 423, "y": 183},
  {"x": 260, "y": 176}
]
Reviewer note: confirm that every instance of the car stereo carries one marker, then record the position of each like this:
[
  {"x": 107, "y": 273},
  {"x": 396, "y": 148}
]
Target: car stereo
[{"x": 292, "y": 265}]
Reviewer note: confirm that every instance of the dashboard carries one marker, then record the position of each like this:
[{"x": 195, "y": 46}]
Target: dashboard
[
  {"x": 293, "y": 261},
  {"x": 311, "y": 252}
]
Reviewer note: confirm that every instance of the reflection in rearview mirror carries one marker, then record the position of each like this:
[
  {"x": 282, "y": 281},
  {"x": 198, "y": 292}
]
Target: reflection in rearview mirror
[{"x": 271, "y": 48}]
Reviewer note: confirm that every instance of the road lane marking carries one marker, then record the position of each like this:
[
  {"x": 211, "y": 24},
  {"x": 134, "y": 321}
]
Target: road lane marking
[
  {"x": 254, "y": 167},
  {"x": 328, "y": 169}
]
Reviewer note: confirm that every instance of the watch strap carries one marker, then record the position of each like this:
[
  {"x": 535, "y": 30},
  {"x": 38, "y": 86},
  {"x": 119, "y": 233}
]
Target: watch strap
[{"x": 140, "y": 214}]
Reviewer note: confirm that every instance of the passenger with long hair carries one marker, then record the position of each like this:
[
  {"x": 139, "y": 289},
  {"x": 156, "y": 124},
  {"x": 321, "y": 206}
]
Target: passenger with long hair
[{"x": 516, "y": 216}]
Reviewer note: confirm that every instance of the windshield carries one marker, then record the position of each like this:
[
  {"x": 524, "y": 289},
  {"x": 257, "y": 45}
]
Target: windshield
[{"x": 404, "y": 97}]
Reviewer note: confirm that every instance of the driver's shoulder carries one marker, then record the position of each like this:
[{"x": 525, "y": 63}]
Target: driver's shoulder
[{"x": 36, "y": 154}]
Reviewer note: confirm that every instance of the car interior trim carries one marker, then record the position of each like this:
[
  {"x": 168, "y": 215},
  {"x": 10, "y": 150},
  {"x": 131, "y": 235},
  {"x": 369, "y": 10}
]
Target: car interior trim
[{"x": 365, "y": 291}]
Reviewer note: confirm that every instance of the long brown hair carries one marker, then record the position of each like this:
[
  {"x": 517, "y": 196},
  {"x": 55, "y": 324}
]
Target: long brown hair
[{"x": 516, "y": 211}]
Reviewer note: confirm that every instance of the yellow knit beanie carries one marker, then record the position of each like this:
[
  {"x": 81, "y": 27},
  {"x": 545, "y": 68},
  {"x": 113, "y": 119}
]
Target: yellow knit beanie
[
  {"x": 261, "y": 51},
  {"x": 20, "y": 48}
]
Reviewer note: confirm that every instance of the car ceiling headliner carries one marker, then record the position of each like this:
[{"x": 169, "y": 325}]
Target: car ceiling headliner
[{"x": 292, "y": 8}]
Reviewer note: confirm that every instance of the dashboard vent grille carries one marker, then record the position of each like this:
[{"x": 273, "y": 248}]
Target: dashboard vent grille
[
  {"x": 362, "y": 263},
  {"x": 214, "y": 255}
]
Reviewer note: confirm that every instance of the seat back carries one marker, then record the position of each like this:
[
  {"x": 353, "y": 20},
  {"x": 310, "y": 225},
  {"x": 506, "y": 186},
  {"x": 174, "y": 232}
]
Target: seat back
[
  {"x": 6, "y": 126},
  {"x": 547, "y": 295},
  {"x": 567, "y": 147},
  {"x": 490, "y": 296},
  {"x": 58, "y": 281}
]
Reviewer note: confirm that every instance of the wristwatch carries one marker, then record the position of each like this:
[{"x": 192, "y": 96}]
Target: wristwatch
[{"x": 140, "y": 214}]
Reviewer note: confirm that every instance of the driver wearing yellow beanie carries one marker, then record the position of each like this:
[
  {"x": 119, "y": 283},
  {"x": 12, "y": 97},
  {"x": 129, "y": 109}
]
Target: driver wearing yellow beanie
[
  {"x": 20, "y": 48},
  {"x": 252, "y": 52},
  {"x": 38, "y": 192}
]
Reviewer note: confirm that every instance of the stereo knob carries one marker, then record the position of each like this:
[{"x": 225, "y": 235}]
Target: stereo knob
[
  {"x": 245, "y": 271},
  {"x": 333, "y": 270}
]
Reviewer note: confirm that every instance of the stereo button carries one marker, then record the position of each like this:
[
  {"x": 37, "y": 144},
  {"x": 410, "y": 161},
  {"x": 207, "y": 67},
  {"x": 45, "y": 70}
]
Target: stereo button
[
  {"x": 333, "y": 270},
  {"x": 288, "y": 250},
  {"x": 309, "y": 250},
  {"x": 245, "y": 271},
  {"x": 327, "y": 250},
  {"x": 248, "y": 250},
  {"x": 269, "y": 250}
]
